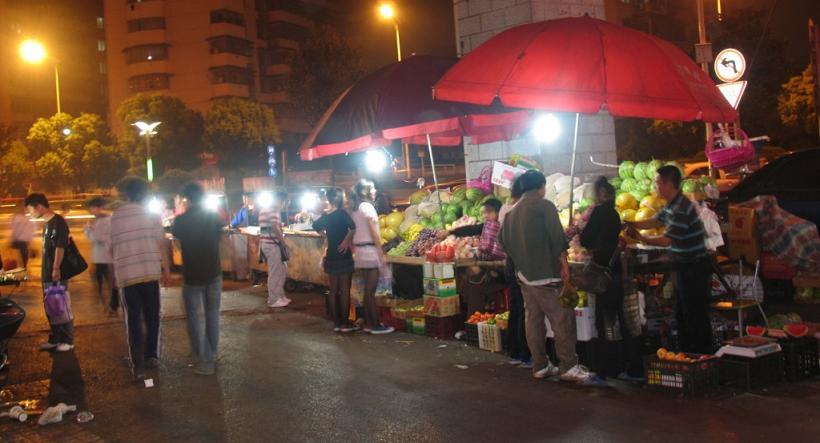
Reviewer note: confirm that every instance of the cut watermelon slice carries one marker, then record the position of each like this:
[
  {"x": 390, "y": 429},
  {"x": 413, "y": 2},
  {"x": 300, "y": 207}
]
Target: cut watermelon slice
[
  {"x": 755, "y": 330},
  {"x": 796, "y": 330}
]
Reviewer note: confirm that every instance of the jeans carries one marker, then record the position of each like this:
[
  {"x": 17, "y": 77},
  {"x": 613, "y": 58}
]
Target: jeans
[
  {"x": 141, "y": 304},
  {"x": 541, "y": 301},
  {"x": 517, "y": 330},
  {"x": 63, "y": 333},
  {"x": 22, "y": 248},
  {"x": 277, "y": 272},
  {"x": 692, "y": 289},
  {"x": 203, "y": 333}
]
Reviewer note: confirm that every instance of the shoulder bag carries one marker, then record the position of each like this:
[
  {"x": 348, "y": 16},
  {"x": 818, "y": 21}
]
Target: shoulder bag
[
  {"x": 595, "y": 278},
  {"x": 73, "y": 263}
]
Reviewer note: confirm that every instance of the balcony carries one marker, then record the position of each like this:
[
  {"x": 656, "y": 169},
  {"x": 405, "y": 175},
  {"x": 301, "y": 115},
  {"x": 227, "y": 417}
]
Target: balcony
[
  {"x": 154, "y": 36},
  {"x": 152, "y": 67},
  {"x": 155, "y": 8},
  {"x": 229, "y": 90},
  {"x": 283, "y": 43},
  {"x": 281, "y": 69},
  {"x": 228, "y": 59},
  {"x": 281, "y": 16},
  {"x": 218, "y": 29}
]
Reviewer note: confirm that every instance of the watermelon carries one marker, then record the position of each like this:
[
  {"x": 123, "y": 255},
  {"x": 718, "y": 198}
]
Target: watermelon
[
  {"x": 450, "y": 217},
  {"x": 652, "y": 168},
  {"x": 436, "y": 218},
  {"x": 459, "y": 195},
  {"x": 778, "y": 321},
  {"x": 417, "y": 197},
  {"x": 487, "y": 198},
  {"x": 639, "y": 171},
  {"x": 690, "y": 185},
  {"x": 628, "y": 184},
  {"x": 796, "y": 330},
  {"x": 755, "y": 330},
  {"x": 616, "y": 182},
  {"x": 625, "y": 170},
  {"x": 474, "y": 194},
  {"x": 638, "y": 194}
]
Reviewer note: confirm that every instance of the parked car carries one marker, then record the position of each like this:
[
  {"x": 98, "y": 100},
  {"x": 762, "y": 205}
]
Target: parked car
[{"x": 793, "y": 179}]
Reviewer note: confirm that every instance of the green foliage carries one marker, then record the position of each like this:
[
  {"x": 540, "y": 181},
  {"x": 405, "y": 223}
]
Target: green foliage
[
  {"x": 173, "y": 180},
  {"x": 103, "y": 164},
  {"x": 178, "y": 141},
  {"x": 16, "y": 170},
  {"x": 238, "y": 130},
  {"x": 54, "y": 171},
  {"x": 795, "y": 104},
  {"x": 325, "y": 66}
]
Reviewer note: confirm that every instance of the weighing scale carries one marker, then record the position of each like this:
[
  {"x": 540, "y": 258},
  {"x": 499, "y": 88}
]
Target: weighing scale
[{"x": 749, "y": 347}]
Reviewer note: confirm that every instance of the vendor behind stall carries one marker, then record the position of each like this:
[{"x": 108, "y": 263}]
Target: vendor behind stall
[
  {"x": 248, "y": 214},
  {"x": 685, "y": 238}
]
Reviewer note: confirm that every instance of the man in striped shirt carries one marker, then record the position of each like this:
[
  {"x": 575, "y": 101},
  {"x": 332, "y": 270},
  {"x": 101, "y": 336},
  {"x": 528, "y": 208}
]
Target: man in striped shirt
[
  {"x": 685, "y": 237},
  {"x": 271, "y": 241},
  {"x": 141, "y": 259}
]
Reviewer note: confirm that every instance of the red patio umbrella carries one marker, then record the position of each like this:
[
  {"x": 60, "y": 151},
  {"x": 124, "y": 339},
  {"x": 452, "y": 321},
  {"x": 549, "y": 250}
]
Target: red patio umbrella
[{"x": 585, "y": 65}]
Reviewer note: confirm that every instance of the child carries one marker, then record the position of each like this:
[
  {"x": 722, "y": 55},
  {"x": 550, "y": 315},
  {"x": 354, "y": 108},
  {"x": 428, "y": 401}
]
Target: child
[{"x": 488, "y": 247}]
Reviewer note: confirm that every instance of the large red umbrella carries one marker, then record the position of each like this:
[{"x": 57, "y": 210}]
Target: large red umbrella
[
  {"x": 395, "y": 103},
  {"x": 585, "y": 65}
]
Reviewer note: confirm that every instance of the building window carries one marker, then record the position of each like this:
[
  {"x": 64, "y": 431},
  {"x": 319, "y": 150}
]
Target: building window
[
  {"x": 276, "y": 56},
  {"x": 146, "y": 24},
  {"x": 100, "y": 23},
  {"x": 286, "y": 30},
  {"x": 231, "y": 45},
  {"x": 149, "y": 82},
  {"x": 101, "y": 45},
  {"x": 275, "y": 83},
  {"x": 227, "y": 16},
  {"x": 146, "y": 53},
  {"x": 103, "y": 68},
  {"x": 230, "y": 74}
]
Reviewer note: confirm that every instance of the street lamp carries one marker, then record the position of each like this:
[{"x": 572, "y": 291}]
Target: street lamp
[
  {"x": 147, "y": 130},
  {"x": 388, "y": 12},
  {"x": 33, "y": 52}
]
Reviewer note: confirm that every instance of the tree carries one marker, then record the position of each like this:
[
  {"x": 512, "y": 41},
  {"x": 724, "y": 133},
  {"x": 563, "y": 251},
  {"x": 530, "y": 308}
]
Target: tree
[
  {"x": 173, "y": 180},
  {"x": 796, "y": 107},
  {"x": 178, "y": 140},
  {"x": 238, "y": 130},
  {"x": 53, "y": 171},
  {"x": 16, "y": 169},
  {"x": 323, "y": 68},
  {"x": 103, "y": 164}
]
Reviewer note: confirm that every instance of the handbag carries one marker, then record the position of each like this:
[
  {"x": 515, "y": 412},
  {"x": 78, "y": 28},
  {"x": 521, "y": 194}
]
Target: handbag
[
  {"x": 284, "y": 251},
  {"x": 73, "y": 263},
  {"x": 57, "y": 303},
  {"x": 595, "y": 278}
]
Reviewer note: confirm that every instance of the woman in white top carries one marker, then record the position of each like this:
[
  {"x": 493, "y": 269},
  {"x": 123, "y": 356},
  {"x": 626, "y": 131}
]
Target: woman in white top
[{"x": 368, "y": 256}]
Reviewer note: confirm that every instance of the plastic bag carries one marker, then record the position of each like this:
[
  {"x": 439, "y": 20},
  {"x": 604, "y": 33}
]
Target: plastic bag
[
  {"x": 385, "y": 287},
  {"x": 57, "y": 303},
  {"x": 713, "y": 237}
]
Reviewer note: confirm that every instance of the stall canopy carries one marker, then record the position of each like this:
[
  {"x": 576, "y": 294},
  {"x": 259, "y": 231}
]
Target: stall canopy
[
  {"x": 585, "y": 65},
  {"x": 395, "y": 103}
]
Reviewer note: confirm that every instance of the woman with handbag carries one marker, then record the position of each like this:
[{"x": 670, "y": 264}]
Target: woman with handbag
[
  {"x": 601, "y": 238},
  {"x": 273, "y": 248},
  {"x": 368, "y": 256}
]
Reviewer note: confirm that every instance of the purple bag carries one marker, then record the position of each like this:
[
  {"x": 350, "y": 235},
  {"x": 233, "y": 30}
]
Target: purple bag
[{"x": 57, "y": 304}]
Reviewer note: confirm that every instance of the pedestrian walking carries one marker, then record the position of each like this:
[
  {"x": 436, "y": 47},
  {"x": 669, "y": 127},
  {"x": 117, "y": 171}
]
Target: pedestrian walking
[
  {"x": 99, "y": 233},
  {"x": 199, "y": 232},
  {"x": 22, "y": 232},
  {"x": 273, "y": 249},
  {"x": 55, "y": 243},
  {"x": 338, "y": 262},
  {"x": 533, "y": 237},
  {"x": 368, "y": 256},
  {"x": 685, "y": 236},
  {"x": 141, "y": 262}
]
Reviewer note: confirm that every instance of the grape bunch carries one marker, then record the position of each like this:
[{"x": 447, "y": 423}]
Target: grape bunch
[{"x": 423, "y": 243}]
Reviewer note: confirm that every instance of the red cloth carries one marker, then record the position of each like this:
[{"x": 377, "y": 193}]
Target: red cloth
[{"x": 488, "y": 246}]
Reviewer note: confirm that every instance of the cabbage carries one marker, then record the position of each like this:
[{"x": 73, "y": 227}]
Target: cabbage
[
  {"x": 427, "y": 209},
  {"x": 417, "y": 197},
  {"x": 628, "y": 184},
  {"x": 652, "y": 168},
  {"x": 445, "y": 197},
  {"x": 706, "y": 180},
  {"x": 690, "y": 185},
  {"x": 562, "y": 200},
  {"x": 625, "y": 169},
  {"x": 639, "y": 172}
]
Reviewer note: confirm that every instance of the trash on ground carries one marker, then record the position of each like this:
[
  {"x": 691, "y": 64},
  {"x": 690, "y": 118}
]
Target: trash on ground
[
  {"x": 54, "y": 414},
  {"x": 84, "y": 417},
  {"x": 462, "y": 366},
  {"x": 442, "y": 346},
  {"x": 16, "y": 413},
  {"x": 149, "y": 382}
]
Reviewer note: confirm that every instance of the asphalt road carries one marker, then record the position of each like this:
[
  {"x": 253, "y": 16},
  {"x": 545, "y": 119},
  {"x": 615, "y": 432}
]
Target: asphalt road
[{"x": 284, "y": 376}]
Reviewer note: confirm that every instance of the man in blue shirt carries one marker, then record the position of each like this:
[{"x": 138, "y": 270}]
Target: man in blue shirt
[
  {"x": 248, "y": 215},
  {"x": 685, "y": 238}
]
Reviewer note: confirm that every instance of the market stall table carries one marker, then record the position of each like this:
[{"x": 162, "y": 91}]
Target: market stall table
[
  {"x": 307, "y": 248},
  {"x": 13, "y": 278}
]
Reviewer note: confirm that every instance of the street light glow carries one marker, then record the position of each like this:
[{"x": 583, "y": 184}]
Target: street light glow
[
  {"x": 546, "y": 128},
  {"x": 32, "y": 51},
  {"x": 375, "y": 160},
  {"x": 146, "y": 128},
  {"x": 264, "y": 200},
  {"x": 387, "y": 11},
  {"x": 66, "y": 131}
]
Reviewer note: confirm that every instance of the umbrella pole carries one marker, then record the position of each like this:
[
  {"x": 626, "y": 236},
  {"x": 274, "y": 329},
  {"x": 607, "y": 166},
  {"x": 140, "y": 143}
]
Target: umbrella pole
[
  {"x": 435, "y": 177},
  {"x": 572, "y": 167}
]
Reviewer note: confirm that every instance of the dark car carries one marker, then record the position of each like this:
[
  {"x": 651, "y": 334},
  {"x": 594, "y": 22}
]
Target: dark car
[{"x": 793, "y": 179}]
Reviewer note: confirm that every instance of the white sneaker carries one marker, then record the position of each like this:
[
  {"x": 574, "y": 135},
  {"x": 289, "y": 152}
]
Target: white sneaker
[
  {"x": 64, "y": 347},
  {"x": 47, "y": 346},
  {"x": 577, "y": 374},
  {"x": 281, "y": 303},
  {"x": 550, "y": 371}
]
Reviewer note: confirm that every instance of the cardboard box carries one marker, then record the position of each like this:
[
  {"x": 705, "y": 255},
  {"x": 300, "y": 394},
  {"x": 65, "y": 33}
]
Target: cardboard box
[
  {"x": 417, "y": 326},
  {"x": 440, "y": 287},
  {"x": 585, "y": 324},
  {"x": 441, "y": 306},
  {"x": 428, "y": 269},
  {"x": 744, "y": 238},
  {"x": 384, "y": 301},
  {"x": 444, "y": 270}
]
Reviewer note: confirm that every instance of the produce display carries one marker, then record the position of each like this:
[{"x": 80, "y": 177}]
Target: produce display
[
  {"x": 463, "y": 247},
  {"x": 807, "y": 295},
  {"x": 478, "y": 317},
  {"x": 663, "y": 354}
]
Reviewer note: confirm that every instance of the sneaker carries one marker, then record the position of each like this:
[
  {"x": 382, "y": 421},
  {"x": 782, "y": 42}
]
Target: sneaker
[
  {"x": 288, "y": 299},
  {"x": 281, "y": 303},
  {"x": 337, "y": 329},
  {"x": 382, "y": 329},
  {"x": 151, "y": 363},
  {"x": 64, "y": 347},
  {"x": 595, "y": 381},
  {"x": 577, "y": 374},
  {"x": 348, "y": 328},
  {"x": 550, "y": 371},
  {"x": 514, "y": 362},
  {"x": 525, "y": 365},
  {"x": 205, "y": 369},
  {"x": 47, "y": 346}
]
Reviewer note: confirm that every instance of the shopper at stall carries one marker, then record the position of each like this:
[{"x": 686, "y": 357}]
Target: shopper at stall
[
  {"x": 532, "y": 235},
  {"x": 141, "y": 262},
  {"x": 338, "y": 262},
  {"x": 274, "y": 250},
  {"x": 684, "y": 236},
  {"x": 368, "y": 256},
  {"x": 99, "y": 233},
  {"x": 248, "y": 214},
  {"x": 198, "y": 231},
  {"x": 22, "y": 232},
  {"x": 519, "y": 351},
  {"x": 56, "y": 238},
  {"x": 614, "y": 349}
]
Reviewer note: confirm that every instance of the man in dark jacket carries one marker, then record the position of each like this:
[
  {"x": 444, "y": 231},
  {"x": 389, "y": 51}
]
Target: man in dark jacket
[{"x": 533, "y": 237}]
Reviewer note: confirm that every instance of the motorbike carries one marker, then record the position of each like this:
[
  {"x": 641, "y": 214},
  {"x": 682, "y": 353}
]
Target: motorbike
[{"x": 11, "y": 317}]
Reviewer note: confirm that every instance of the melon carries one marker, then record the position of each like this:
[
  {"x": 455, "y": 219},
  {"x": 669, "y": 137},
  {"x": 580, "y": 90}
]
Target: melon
[
  {"x": 796, "y": 330},
  {"x": 644, "y": 214},
  {"x": 628, "y": 215},
  {"x": 755, "y": 330},
  {"x": 626, "y": 200}
]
